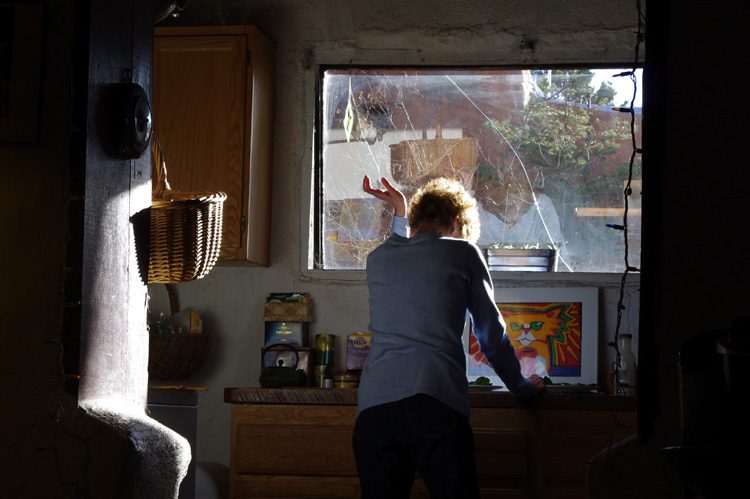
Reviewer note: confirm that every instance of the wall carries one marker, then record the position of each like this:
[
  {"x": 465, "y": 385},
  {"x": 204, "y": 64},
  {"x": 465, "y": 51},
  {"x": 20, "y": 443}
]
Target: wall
[{"x": 309, "y": 33}]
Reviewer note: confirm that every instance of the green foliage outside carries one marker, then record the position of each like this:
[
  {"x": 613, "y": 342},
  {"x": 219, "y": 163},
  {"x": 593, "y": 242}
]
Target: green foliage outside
[
  {"x": 566, "y": 143},
  {"x": 562, "y": 143}
]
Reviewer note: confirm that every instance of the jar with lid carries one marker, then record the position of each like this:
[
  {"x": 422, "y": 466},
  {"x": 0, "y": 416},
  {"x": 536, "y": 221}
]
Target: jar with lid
[
  {"x": 325, "y": 360},
  {"x": 346, "y": 379},
  {"x": 626, "y": 372}
]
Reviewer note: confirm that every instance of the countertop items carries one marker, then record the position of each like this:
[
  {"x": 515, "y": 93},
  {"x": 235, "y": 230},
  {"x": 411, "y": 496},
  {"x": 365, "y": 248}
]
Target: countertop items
[{"x": 287, "y": 318}]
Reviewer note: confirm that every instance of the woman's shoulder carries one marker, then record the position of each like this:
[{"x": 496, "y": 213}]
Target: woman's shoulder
[
  {"x": 470, "y": 250},
  {"x": 461, "y": 242}
]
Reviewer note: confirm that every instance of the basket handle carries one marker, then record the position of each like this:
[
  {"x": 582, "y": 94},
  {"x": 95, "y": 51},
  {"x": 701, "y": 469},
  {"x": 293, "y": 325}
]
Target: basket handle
[{"x": 161, "y": 187}]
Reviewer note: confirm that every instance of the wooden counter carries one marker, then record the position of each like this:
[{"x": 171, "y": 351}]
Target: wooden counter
[{"x": 296, "y": 442}]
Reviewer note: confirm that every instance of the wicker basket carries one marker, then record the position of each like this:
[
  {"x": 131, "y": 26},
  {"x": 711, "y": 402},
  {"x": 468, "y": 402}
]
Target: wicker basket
[
  {"x": 175, "y": 356},
  {"x": 287, "y": 312},
  {"x": 185, "y": 228},
  {"x": 414, "y": 161}
]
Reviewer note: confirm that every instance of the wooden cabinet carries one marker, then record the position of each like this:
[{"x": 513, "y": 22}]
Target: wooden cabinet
[
  {"x": 297, "y": 443},
  {"x": 213, "y": 115},
  {"x": 293, "y": 451},
  {"x": 538, "y": 452}
]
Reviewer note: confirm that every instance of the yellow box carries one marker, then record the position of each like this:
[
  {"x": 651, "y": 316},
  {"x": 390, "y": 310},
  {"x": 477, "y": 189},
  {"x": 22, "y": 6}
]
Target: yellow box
[{"x": 357, "y": 349}]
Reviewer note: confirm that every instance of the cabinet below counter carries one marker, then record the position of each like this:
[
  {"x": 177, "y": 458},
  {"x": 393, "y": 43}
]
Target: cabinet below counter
[{"x": 296, "y": 442}]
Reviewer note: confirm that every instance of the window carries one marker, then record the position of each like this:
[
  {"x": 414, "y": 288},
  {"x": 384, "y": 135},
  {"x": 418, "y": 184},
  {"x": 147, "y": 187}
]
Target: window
[{"x": 543, "y": 150}]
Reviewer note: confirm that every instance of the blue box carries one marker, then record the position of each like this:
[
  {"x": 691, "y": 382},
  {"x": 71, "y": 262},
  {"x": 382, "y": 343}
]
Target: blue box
[{"x": 291, "y": 333}]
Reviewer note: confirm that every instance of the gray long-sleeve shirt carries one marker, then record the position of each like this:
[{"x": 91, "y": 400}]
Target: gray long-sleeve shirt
[{"x": 420, "y": 289}]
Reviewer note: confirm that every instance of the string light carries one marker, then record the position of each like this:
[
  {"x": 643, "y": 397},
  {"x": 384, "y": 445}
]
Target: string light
[{"x": 640, "y": 37}]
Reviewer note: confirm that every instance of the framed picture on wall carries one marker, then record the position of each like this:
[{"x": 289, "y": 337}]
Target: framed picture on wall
[
  {"x": 553, "y": 330},
  {"x": 21, "y": 30}
]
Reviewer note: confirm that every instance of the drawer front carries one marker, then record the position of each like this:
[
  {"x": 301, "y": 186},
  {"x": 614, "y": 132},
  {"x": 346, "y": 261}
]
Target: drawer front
[
  {"x": 295, "y": 450},
  {"x": 303, "y": 487}
]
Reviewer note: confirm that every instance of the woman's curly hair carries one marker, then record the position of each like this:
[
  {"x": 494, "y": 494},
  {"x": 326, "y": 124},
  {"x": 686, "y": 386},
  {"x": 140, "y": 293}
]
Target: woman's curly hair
[{"x": 441, "y": 200}]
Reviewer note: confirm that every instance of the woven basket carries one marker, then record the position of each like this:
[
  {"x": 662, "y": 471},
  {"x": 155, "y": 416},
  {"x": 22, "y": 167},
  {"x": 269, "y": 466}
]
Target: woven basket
[
  {"x": 175, "y": 356},
  {"x": 185, "y": 228},
  {"x": 287, "y": 312},
  {"x": 418, "y": 160}
]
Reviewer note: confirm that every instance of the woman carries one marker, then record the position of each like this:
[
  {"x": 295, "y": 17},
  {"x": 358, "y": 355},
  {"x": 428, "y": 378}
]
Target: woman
[{"x": 413, "y": 412}]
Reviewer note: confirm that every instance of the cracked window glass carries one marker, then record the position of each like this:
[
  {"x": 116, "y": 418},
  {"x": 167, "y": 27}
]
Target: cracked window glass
[{"x": 548, "y": 154}]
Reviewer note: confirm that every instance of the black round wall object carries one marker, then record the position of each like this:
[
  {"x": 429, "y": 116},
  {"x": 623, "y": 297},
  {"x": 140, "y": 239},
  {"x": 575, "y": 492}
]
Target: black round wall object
[{"x": 135, "y": 134}]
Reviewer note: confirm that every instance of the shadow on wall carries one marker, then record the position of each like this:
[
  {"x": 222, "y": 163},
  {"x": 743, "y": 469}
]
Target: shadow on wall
[{"x": 211, "y": 481}]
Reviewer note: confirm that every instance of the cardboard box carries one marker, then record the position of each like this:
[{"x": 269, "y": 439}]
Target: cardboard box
[
  {"x": 292, "y": 333},
  {"x": 357, "y": 349}
]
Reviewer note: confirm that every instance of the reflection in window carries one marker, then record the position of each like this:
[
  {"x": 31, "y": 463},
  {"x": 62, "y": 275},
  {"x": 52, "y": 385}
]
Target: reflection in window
[{"x": 543, "y": 151}]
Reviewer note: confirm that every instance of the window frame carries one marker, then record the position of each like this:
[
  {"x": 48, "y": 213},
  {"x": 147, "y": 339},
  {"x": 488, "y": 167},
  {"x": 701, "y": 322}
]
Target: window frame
[{"x": 313, "y": 268}]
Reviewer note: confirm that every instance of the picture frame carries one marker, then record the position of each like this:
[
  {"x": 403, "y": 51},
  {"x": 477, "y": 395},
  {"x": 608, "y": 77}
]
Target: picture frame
[
  {"x": 555, "y": 332},
  {"x": 21, "y": 35}
]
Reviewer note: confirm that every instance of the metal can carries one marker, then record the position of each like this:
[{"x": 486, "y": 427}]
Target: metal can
[
  {"x": 325, "y": 348},
  {"x": 320, "y": 375},
  {"x": 346, "y": 379}
]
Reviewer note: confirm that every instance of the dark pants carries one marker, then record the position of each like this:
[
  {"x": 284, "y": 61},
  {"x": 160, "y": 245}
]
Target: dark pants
[{"x": 419, "y": 433}]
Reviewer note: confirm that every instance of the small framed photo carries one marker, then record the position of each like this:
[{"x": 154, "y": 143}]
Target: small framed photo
[{"x": 554, "y": 331}]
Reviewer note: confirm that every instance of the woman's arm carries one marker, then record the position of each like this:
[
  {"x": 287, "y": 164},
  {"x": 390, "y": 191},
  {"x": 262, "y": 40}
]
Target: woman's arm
[{"x": 489, "y": 329}]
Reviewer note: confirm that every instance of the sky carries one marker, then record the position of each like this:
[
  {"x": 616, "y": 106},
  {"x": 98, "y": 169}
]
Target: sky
[{"x": 623, "y": 84}]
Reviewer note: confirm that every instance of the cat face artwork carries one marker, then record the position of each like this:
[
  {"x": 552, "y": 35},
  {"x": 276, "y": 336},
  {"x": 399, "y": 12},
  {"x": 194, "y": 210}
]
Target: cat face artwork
[
  {"x": 545, "y": 334},
  {"x": 546, "y": 337}
]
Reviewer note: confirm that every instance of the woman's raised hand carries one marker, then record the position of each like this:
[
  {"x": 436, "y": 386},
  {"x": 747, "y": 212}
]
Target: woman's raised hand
[{"x": 390, "y": 195}]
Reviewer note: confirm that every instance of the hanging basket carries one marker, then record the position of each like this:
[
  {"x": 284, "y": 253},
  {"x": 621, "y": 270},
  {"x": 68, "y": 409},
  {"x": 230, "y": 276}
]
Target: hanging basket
[
  {"x": 185, "y": 228},
  {"x": 176, "y": 356},
  {"x": 414, "y": 161}
]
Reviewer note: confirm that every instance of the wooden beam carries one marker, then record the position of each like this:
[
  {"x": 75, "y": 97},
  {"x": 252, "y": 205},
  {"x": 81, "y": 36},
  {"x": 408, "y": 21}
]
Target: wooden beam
[{"x": 606, "y": 212}]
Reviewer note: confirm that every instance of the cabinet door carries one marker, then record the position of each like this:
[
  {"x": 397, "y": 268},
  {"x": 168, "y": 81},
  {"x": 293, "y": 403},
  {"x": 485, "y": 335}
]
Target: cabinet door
[{"x": 204, "y": 118}]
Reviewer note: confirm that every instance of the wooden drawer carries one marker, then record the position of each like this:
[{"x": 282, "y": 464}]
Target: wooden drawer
[
  {"x": 501, "y": 454},
  {"x": 287, "y": 449},
  {"x": 302, "y": 487}
]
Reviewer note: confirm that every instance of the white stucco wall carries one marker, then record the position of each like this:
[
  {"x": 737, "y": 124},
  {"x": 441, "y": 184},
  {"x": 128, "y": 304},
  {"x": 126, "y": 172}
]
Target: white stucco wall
[{"x": 337, "y": 31}]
